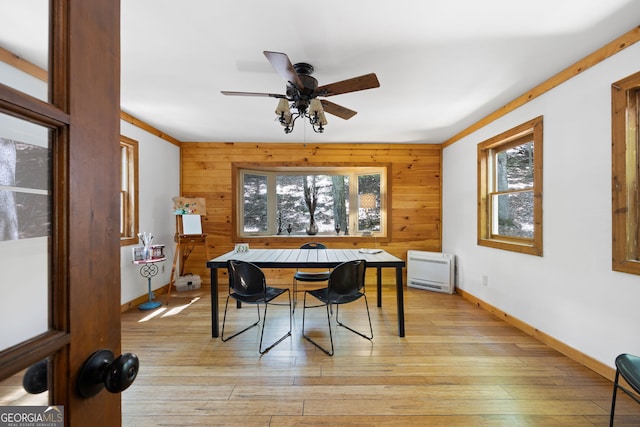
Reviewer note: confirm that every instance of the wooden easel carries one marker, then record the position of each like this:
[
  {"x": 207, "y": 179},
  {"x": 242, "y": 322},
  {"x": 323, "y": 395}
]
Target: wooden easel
[{"x": 188, "y": 233}]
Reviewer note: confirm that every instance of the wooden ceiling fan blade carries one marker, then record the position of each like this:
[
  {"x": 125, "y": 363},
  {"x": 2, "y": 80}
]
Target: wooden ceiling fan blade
[
  {"x": 368, "y": 81},
  {"x": 337, "y": 110},
  {"x": 284, "y": 67},
  {"x": 270, "y": 95}
]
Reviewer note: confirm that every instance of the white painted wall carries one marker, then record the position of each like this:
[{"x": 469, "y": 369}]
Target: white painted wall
[
  {"x": 570, "y": 293},
  {"x": 159, "y": 181}
]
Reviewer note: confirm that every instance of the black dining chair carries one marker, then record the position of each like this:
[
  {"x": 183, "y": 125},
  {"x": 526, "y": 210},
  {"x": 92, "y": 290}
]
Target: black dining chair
[
  {"x": 627, "y": 366},
  {"x": 309, "y": 276},
  {"x": 345, "y": 285},
  {"x": 247, "y": 284}
]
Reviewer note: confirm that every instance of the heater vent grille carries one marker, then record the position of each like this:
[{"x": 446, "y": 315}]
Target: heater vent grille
[{"x": 433, "y": 271}]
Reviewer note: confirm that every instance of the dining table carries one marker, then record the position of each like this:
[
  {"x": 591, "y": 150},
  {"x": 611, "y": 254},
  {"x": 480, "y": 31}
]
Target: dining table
[{"x": 306, "y": 258}]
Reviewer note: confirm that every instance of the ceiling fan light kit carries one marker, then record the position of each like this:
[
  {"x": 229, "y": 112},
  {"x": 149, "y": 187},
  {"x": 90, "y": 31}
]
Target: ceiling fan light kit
[
  {"x": 316, "y": 116},
  {"x": 302, "y": 93},
  {"x": 317, "y": 111}
]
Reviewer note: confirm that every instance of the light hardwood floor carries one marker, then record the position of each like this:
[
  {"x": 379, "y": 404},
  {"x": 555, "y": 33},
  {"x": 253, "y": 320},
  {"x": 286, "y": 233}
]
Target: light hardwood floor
[{"x": 457, "y": 366}]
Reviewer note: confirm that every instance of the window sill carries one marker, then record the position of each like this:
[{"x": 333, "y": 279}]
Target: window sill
[{"x": 525, "y": 248}]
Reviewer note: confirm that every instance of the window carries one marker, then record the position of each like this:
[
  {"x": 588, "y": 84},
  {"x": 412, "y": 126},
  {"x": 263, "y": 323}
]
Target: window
[
  {"x": 301, "y": 201},
  {"x": 510, "y": 189},
  {"x": 128, "y": 191},
  {"x": 625, "y": 174}
]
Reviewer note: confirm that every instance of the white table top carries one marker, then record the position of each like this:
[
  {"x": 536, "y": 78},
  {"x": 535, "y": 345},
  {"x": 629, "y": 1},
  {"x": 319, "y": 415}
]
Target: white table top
[{"x": 294, "y": 258}]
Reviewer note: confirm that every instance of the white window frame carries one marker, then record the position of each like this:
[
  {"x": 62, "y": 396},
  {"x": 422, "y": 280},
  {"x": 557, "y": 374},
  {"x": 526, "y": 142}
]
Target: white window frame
[{"x": 272, "y": 171}]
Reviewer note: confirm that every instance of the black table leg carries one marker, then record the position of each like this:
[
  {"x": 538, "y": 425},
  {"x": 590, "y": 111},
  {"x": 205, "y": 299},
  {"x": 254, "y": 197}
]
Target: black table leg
[
  {"x": 214, "y": 303},
  {"x": 400, "y": 300},
  {"x": 379, "y": 284}
]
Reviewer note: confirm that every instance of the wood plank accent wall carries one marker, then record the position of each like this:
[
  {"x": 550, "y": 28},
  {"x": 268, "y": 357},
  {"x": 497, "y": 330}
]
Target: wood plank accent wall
[{"x": 415, "y": 173}]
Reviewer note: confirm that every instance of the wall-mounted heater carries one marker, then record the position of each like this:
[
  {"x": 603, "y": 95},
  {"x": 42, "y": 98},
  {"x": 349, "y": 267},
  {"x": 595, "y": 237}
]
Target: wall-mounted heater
[{"x": 433, "y": 271}]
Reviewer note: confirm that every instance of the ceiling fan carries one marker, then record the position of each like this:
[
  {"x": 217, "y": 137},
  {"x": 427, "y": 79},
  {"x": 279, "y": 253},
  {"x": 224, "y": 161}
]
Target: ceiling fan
[{"x": 303, "y": 92}]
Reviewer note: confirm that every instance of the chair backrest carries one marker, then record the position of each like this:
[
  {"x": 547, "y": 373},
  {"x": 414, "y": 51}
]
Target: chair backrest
[
  {"x": 313, "y": 245},
  {"x": 245, "y": 278},
  {"x": 347, "y": 278}
]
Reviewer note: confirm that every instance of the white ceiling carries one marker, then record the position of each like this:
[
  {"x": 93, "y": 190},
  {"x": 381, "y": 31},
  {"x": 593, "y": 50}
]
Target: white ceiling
[{"x": 442, "y": 65}]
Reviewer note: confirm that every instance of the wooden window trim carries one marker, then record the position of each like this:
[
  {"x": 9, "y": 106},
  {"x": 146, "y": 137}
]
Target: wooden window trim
[
  {"x": 131, "y": 201},
  {"x": 625, "y": 179},
  {"x": 512, "y": 137},
  {"x": 383, "y": 236}
]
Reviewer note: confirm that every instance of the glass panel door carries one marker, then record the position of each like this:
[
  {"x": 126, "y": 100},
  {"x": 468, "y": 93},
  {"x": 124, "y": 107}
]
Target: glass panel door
[{"x": 25, "y": 229}]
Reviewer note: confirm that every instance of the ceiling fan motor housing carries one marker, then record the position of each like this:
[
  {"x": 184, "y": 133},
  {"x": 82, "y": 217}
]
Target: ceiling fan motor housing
[
  {"x": 302, "y": 68},
  {"x": 302, "y": 96}
]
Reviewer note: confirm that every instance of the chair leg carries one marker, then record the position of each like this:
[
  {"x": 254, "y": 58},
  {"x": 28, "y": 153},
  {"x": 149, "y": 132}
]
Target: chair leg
[
  {"x": 304, "y": 307},
  {"x": 224, "y": 319},
  {"x": 330, "y": 333},
  {"x": 295, "y": 294},
  {"x": 370, "y": 337},
  {"x": 613, "y": 399},
  {"x": 616, "y": 386},
  {"x": 264, "y": 322}
]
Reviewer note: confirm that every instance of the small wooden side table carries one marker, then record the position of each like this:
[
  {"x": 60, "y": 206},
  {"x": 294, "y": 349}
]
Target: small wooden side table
[{"x": 148, "y": 269}]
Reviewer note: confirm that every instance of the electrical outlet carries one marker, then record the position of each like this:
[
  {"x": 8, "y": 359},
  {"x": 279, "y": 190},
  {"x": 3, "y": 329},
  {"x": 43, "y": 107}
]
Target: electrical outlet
[{"x": 485, "y": 280}]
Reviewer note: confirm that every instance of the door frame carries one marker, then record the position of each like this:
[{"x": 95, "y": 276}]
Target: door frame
[{"x": 84, "y": 111}]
